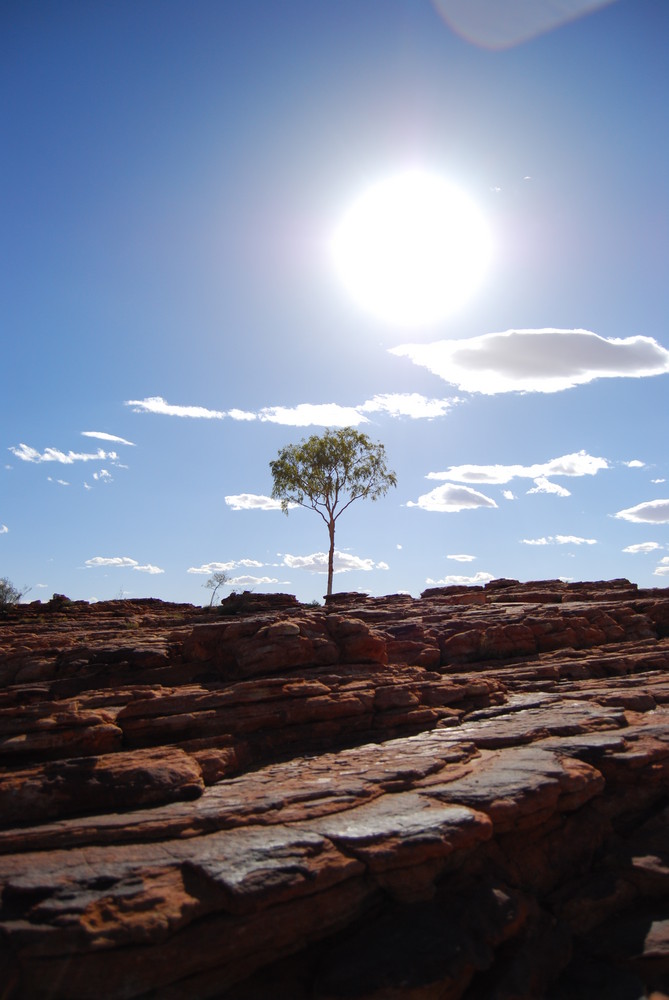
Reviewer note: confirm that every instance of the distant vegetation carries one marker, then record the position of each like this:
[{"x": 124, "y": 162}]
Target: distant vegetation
[{"x": 9, "y": 594}]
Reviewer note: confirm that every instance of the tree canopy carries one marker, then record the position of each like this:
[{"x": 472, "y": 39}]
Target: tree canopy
[{"x": 327, "y": 472}]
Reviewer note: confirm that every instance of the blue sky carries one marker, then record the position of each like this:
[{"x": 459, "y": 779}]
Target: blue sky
[{"x": 172, "y": 176}]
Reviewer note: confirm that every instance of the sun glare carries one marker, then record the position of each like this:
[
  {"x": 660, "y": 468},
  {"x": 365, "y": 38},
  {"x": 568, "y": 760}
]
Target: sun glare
[{"x": 412, "y": 249}]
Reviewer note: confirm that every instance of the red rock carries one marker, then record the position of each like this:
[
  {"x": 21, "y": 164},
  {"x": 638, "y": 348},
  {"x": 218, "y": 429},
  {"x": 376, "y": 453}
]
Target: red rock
[{"x": 384, "y": 797}]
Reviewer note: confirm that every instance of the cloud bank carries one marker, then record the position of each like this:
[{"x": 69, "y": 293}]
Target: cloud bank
[
  {"x": 397, "y": 405},
  {"x": 545, "y": 360},
  {"x": 559, "y": 540},
  {"x": 577, "y": 464}
]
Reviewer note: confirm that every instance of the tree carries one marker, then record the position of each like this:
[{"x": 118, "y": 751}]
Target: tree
[
  {"x": 327, "y": 473},
  {"x": 215, "y": 581},
  {"x": 9, "y": 594}
]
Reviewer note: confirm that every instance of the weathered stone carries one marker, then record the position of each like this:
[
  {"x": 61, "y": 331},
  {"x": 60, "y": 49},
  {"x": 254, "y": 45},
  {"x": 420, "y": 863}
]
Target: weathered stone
[{"x": 381, "y": 798}]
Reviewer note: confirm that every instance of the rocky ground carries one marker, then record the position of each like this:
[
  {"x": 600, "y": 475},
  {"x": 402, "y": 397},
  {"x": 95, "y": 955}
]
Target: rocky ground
[{"x": 462, "y": 795}]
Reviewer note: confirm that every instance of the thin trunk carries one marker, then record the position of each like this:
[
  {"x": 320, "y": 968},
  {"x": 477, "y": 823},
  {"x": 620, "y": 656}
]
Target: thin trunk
[{"x": 331, "y": 529}]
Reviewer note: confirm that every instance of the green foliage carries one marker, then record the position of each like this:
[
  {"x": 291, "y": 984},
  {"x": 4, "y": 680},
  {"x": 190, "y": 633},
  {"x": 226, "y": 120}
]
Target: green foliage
[
  {"x": 9, "y": 594},
  {"x": 327, "y": 472}
]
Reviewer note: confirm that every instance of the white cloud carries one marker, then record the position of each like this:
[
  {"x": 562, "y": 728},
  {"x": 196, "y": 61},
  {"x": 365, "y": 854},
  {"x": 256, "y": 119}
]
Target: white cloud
[
  {"x": 212, "y": 567},
  {"x": 635, "y": 464},
  {"x": 461, "y": 581},
  {"x": 251, "y": 581},
  {"x": 103, "y": 476},
  {"x": 649, "y": 512},
  {"x": 509, "y": 495},
  {"x": 253, "y": 501},
  {"x": 319, "y": 414},
  {"x": 156, "y": 404},
  {"x": 545, "y": 360},
  {"x": 118, "y": 561},
  {"x": 559, "y": 540},
  {"x": 408, "y": 404},
  {"x": 642, "y": 547},
  {"x": 60, "y": 482},
  {"x": 543, "y": 485},
  {"x": 451, "y": 498},
  {"x": 28, "y": 454},
  {"x": 576, "y": 464},
  {"x": 224, "y": 567},
  {"x": 462, "y": 558},
  {"x": 656, "y": 482},
  {"x": 148, "y": 569},
  {"x": 241, "y": 415},
  {"x": 4, "y": 529},
  {"x": 662, "y": 568},
  {"x": 317, "y": 562},
  {"x": 102, "y": 436}
]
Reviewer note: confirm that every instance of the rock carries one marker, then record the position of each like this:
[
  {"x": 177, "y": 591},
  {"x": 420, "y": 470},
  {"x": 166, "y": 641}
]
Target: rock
[{"x": 464, "y": 795}]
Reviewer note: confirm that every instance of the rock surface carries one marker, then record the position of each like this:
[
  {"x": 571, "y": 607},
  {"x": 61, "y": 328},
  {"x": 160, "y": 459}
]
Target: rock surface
[{"x": 462, "y": 795}]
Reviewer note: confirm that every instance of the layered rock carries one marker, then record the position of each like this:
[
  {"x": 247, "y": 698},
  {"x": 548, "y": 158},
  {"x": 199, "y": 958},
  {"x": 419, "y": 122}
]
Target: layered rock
[{"x": 464, "y": 795}]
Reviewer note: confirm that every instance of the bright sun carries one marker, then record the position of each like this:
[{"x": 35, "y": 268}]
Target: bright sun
[{"x": 412, "y": 248}]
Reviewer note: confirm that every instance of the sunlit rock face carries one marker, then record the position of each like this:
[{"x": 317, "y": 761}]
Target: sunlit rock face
[{"x": 461, "y": 795}]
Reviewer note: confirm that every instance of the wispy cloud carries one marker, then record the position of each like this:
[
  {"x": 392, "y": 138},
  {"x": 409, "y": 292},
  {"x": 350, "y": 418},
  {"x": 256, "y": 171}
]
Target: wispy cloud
[
  {"x": 224, "y": 567},
  {"x": 28, "y": 454},
  {"x": 649, "y": 512},
  {"x": 461, "y": 581},
  {"x": 545, "y": 360},
  {"x": 103, "y": 436},
  {"x": 344, "y": 562},
  {"x": 397, "y": 405},
  {"x": 4, "y": 529},
  {"x": 59, "y": 482},
  {"x": 559, "y": 540},
  {"x": 451, "y": 498},
  {"x": 576, "y": 464},
  {"x": 122, "y": 562},
  {"x": 462, "y": 558},
  {"x": 642, "y": 547},
  {"x": 156, "y": 404},
  {"x": 103, "y": 476}
]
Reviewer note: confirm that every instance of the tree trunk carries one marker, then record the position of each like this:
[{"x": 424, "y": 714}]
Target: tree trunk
[{"x": 331, "y": 529}]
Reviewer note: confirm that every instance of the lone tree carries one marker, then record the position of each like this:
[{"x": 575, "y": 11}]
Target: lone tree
[
  {"x": 327, "y": 472},
  {"x": 214, "y": 583}
]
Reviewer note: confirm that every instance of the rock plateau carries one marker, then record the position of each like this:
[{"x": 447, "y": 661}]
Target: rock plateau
[{"x": 461, "y": 795}]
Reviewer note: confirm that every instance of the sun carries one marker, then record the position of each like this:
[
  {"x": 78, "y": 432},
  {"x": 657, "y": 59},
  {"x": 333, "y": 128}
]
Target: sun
[{"x": 412, "y": 248}]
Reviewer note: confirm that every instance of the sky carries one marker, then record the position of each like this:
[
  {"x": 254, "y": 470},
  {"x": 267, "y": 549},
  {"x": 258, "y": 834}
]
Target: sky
[{"x": 175, "y": 178}]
